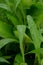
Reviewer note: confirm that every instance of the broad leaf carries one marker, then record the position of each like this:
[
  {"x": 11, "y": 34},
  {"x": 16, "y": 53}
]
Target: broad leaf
[
  {"x": 35, "y": 34},
  {"x": 19, "y": 59},
  {"x": 21, "y": 31},
  {"x": 6, "y": 30}
]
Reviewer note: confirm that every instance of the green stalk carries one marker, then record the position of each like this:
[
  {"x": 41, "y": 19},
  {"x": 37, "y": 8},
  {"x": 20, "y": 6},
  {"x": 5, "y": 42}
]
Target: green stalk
[{"x": 22, "y": 52}]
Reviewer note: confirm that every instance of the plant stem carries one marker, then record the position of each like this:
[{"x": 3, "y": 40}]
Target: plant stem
[{"x": 22, "y": 51}]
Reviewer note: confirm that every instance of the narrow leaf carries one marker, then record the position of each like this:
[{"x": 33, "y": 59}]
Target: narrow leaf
[
  {"x": 4, "y": 6},
  {"x": 16, "y": 3},
  {"x": 3, "y": 42},
  {"x": 3, "y": 60},
  {"x": 13, "y": 19}
]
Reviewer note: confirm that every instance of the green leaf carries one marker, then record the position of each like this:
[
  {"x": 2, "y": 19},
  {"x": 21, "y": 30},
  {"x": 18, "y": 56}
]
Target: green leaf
[
  {"x": 39, "y": 19},
  {"x": 42, "y": 62},
  {"x": 5, "y": 7},
  {"x": 16, "y": 3},
  {"x": 42, "y": 38},
  {"x": 7, "y": 57},
  {"x": 21, "y": 31},
  {"x": 6, "y": 1},
  {"x": 6, "y": 30},
  {"x": 40, "y": 50},
  {"x": 16, "y": 63},
  {"x": 23, "y": 64},
  {"x": 22, "y": 11},
  {"x": 3, "y": 60},
  {"x": 41, "y": 31},
  {"x": 33, "y": 51},
  {"x": 19, "y": 59},
  {"x": 19, "y": 16},
  {"x": 35, "y": 34},
  {"x": 13, "y": 19},
  {"x": 3, "y": 42},
  {"x": 27, "y": 3},
  {"x": 20, "y": 64},
  {"x": 26, "y": 39}
]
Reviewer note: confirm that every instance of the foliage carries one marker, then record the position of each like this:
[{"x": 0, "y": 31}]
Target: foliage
[{"x": 21, "y": 32}]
